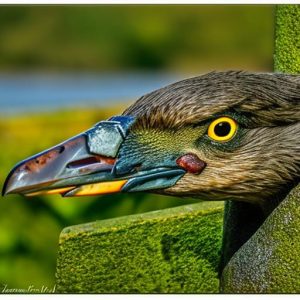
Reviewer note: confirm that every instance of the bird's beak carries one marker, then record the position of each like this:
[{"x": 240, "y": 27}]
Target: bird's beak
[{"x": 86, "y": 165}]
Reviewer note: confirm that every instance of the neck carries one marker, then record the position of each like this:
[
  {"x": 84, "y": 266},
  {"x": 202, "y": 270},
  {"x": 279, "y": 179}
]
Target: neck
[
  {"x": 268, "y": 262},
  {"x": 243, "y": 219}
]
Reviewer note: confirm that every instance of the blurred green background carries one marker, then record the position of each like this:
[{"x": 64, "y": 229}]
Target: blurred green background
[{"x": 147, "y": 41}]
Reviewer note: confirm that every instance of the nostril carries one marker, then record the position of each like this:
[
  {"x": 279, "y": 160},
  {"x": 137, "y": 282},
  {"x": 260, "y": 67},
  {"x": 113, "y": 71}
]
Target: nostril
[
  {"x": 91, "y": 160},
  {"x": 82, "y": 162}
]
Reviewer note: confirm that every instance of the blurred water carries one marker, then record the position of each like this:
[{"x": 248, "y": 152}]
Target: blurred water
[{"x": 40, "y": 92}]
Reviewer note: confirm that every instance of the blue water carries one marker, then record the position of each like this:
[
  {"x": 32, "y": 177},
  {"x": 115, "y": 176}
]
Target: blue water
[{"x": 42, "y": 92}]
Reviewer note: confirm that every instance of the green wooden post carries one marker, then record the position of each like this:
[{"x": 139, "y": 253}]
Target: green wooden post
[
  {"x": 287, "y": 39},
  {"x": 169, "y": 251},
  {"x": 270, "y": 261}
]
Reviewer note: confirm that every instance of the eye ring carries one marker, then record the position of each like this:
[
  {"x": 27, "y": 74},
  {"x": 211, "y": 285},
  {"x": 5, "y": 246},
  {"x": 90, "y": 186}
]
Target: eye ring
[{"x": 222, "y": 129}]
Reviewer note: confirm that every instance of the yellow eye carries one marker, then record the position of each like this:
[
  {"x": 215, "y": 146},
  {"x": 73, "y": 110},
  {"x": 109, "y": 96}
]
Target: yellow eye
[{"x": 222, "y": 129}]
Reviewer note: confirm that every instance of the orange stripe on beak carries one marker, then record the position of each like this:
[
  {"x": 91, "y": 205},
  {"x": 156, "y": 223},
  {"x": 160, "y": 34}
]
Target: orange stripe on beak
[
  {"x": 99, "y": 188},
  {"x": 51, "y": 192}
]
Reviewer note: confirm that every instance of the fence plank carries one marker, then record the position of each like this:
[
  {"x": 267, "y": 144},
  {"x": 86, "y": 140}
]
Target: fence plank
[{"x": 169, "y": 251}]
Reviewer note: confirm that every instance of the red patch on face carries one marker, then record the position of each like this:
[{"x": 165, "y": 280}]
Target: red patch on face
[{"x": 191, "y": 163}]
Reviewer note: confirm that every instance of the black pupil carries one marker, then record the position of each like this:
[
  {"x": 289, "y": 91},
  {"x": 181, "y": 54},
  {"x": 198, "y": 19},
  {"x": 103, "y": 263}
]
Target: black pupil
[{"x": 222, "y": 129}]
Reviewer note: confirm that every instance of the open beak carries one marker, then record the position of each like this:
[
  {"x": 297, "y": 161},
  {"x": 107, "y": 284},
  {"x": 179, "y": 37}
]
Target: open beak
[{"x": 86, "y": 165}]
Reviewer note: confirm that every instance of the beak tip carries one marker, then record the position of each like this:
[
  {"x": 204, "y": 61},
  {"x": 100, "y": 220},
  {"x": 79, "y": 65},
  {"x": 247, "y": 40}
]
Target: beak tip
[
  {"x": 11, "y": 183},
  {"x": 5, "y": 190}
]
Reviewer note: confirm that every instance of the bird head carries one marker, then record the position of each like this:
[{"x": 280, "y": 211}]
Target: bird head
[{"x": 220, "y": 136}]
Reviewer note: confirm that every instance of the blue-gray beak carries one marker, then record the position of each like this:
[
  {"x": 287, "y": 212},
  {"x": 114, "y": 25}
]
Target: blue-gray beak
[{"x": 85, "y": 165}]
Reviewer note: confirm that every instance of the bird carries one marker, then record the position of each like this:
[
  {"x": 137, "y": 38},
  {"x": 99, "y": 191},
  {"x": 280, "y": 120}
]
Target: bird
[{"x": 230, "y": 136}]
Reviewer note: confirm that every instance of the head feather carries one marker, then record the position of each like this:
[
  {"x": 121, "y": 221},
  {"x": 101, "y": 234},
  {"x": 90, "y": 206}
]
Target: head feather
[{"x": 267, "y": 99}]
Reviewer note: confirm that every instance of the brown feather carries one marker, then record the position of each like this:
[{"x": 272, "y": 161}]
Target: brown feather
[
  {"x": 268, "y": 99},
  {"x": 266, "y": 162}
]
